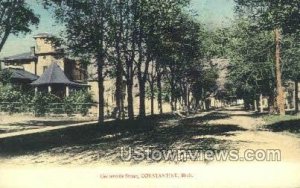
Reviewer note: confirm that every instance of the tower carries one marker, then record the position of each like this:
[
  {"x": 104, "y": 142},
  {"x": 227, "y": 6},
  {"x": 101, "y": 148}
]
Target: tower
[{"x": 46, "y": 53}]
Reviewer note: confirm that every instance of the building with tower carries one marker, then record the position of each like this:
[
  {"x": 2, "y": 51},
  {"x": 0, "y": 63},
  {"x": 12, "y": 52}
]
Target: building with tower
[{"x": 45, "y": 62}]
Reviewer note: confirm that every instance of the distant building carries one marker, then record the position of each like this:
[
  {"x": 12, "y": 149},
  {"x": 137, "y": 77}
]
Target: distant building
[
  {"x": 47, "y": 68},
  {"x": 42, "y": 56}
]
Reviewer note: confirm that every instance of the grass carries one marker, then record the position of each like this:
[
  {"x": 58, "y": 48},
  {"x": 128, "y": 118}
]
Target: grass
[
  {"x": 271, "y": 119},
  {"x": 289, "y": 123}
]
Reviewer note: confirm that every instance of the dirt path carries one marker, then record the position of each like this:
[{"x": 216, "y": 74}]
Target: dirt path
[
  {"x": 256, "y": 137},
  {"x": 225, "y": 129}
]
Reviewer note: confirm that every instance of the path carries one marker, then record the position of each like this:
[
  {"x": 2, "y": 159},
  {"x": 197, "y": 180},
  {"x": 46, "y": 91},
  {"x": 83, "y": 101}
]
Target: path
[
  {"x": 256, "y": 137},
  {"x": 226, "y": 129}
]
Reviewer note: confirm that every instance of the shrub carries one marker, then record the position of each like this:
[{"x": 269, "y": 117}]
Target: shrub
[
  {"x": 41, "y": 103},
  {"x": 5, "y": 76},
  {"x": 11, "y": 96},
  {"x": 82, "y": 102}
]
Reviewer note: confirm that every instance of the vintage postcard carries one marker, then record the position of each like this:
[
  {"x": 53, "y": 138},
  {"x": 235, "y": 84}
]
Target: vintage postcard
[{"x": 149, "y": 93}]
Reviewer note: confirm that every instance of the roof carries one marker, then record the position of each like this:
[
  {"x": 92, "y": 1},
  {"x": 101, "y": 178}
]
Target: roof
[
  {"x": 23, "y": 56},
  {"x": 43, "y": 35},
  {"x": 21, "y": 74},
  {"x": 53, "y": 75}
]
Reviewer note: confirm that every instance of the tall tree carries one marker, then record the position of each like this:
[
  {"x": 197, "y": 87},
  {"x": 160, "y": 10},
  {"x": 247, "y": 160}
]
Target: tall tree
[
  {"x": 15, "y": 17},
  {"x": 86, "y": 33},
  {"x": 280, "y": 16},
  {"x": 252, "y": 69}
]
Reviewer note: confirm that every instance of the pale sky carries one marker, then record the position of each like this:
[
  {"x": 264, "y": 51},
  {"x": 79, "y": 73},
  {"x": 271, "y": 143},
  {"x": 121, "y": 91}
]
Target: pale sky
[{"x": 213, "y": 13}]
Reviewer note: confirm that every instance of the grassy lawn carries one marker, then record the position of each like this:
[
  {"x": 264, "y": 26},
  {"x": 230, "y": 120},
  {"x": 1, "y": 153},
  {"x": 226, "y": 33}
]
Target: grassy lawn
[{"x": 276, "y": 123}]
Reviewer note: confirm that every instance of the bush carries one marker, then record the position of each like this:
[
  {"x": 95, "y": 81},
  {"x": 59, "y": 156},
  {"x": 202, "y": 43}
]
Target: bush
[
  {"x": 5, "y": 76},
  {"x": 13, "y": 97},
  {"x": 41, "y": 103},
  {"x": 82, "y": 102},
  {"x": 9, "y": 94}
]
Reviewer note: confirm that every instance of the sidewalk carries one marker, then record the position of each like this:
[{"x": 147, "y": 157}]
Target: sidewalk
[{"x": 46, "y": 129}]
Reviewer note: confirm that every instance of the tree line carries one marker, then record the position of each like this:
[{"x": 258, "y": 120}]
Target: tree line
[
  {"x": 158, "y": 42},
  {"x": 263, "y": 47},
  {"x": 162, "y": 45}
]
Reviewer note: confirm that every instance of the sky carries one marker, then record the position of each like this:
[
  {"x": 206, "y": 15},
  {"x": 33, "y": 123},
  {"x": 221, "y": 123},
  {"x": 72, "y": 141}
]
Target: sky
[{"x": 213, "y": 13}]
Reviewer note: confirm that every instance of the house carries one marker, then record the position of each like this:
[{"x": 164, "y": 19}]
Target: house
[
  {"x": 55, "y": 72},
  {"x": 46, "y": 61},
  {"x": 42, "y": 55}
]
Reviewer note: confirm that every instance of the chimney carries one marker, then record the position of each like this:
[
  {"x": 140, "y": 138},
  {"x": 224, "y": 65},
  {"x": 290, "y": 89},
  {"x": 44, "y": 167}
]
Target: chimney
[{"x": 32, "y": 50}]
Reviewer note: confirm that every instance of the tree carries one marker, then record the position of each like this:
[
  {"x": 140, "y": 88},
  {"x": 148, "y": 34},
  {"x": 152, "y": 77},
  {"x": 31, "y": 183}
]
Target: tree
[
  {"x": 86, "y": 33},
  {"x": 138, "y": 38},
  {"x": 15, "y": 17},
  {"x": 153, "y": 17},
  {"x": 278, "y": 16},
  {"x": 252, "y": 70},
  {"x": 291, "y": 65}
]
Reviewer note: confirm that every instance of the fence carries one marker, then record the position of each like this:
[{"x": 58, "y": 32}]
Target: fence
[{"x": 51, "y": 108}]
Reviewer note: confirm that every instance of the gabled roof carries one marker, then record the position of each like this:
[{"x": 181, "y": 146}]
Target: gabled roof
[
  {"x": 21, "y": 74},
  {"x": 53, "y": 75},
  {"x": 23, "y": 56}
]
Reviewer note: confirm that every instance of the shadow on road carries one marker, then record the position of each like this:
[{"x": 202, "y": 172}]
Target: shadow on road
[
  {"x": 292, "y": 126},
  {"x": 104, "y": 141}
]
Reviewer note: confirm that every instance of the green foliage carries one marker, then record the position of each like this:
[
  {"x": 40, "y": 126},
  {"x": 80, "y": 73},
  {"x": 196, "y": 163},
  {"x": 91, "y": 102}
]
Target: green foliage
[
  {"x": 9, "y": 94},
  {"x": 268, "y": 15},
  {"x": 203, "y": 80},
  {"x": 251, "y": 70},
  {"x": 41, "y": 102},
  {"x": 82, "y": 99},
  {"x": 271, "y": 119},
  {"x": 16, "y": 17},
  {"x": 14, "y": 100},
  {"x": 291, "y": 57},
  {"x": 5, "y": 76},
  {"x": 128, "y": 35}
]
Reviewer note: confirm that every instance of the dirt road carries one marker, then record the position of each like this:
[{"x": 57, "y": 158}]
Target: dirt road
[
  {"x": 256, "y": 136},
  {"x": 226, "y": 129}
]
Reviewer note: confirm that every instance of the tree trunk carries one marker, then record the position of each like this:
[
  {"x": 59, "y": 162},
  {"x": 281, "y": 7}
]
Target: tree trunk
[
  {"x": 255, "y": 105},
  {"x": 188, "y": 100},
  {"x": 271, "y": 103},
  {"x": 296, "y": 97},
  {"x": 152, "y": 98},
  {"x": 119, "y": 81},
  {"x": 159, "y": 94},
  {"x": 204, "y": 105},
  {"x": 4, "y": 39},
  {"x": 100, "y": 63},
  {"x": 130, "y": 99},
  {"x": 261, "y": 108},
  {"x": 280, "y": 93},
  {"x": 173, "y": 107},
  {"x": 142, "y": 112}
]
